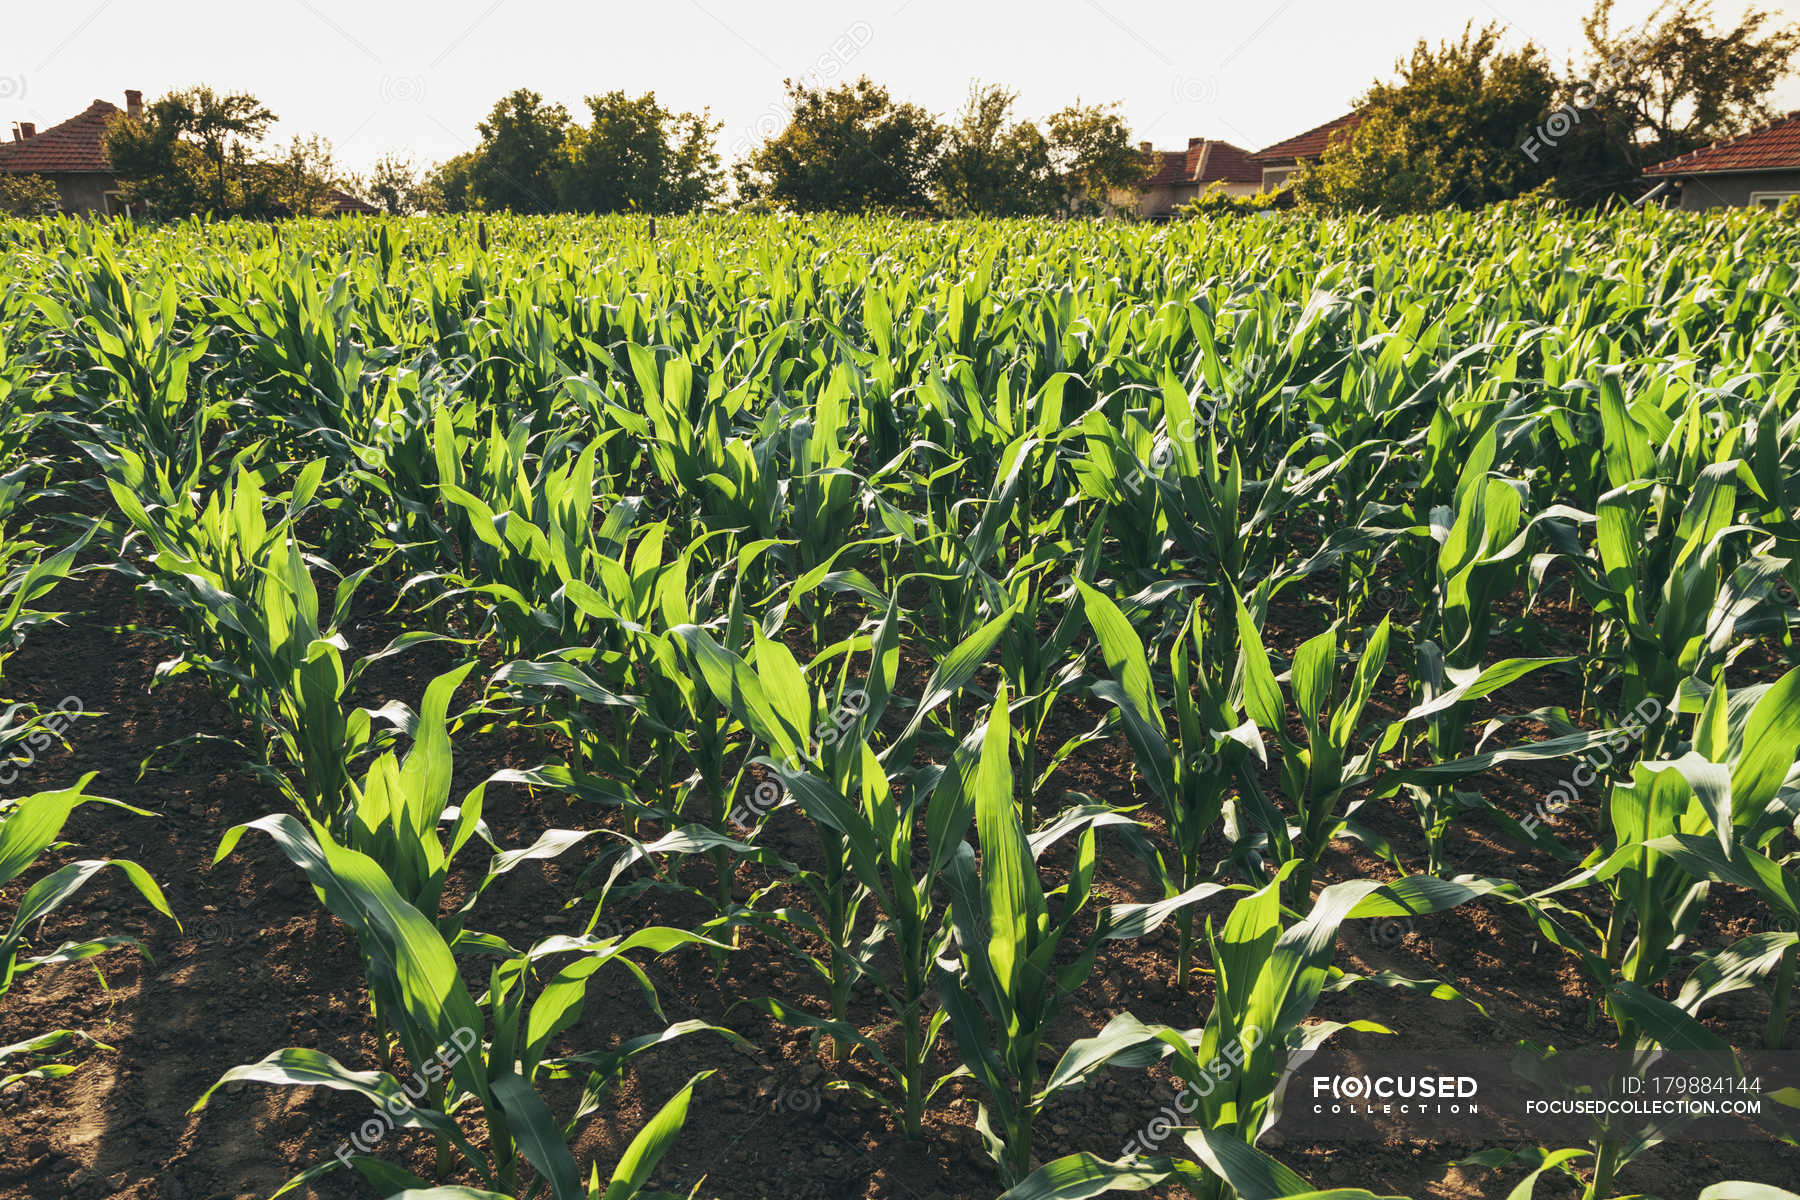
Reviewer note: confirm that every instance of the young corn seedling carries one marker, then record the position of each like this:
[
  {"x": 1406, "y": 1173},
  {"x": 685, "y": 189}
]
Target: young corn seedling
[
  {"x": 1319, "y": 768},
  {"x": 1479, "y": 540},
  {"x": 999, "y": 980},
  {"x": 1187, "y": 769},
  {"x": 490, "y": 1054},
  {"x": 1267, "y": 978},
  {"x": 29, "y": 826},
  {"x": 881, "y": 808},
  {"x": 1676, "y": 587},
  {"x": 1676, "y": 826},
  {"x": 799, "y": 725}
]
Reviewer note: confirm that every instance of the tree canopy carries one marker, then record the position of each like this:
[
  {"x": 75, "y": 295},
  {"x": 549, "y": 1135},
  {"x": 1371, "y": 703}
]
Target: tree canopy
[
  {"x": 191, "y": 151},
  {"x": 637, "y": 156},
  {"x": 849, "y": 148},
  {"x": 1652, "y": 91},
  {"x": 516, "y": 164},
  {"x": 1446, "y": 133},
  {"x": 200, "y": 150}
]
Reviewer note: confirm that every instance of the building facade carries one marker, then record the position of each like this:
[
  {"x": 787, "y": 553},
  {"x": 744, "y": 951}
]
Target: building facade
[{"x": 1760, "y": 168}]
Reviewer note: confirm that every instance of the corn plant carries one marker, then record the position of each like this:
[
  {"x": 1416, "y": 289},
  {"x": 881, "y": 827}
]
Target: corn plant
[
  {"x": 29, "y": 827},
  {"x": 489, "y": 1051},
  {"x": 999, "y": 981},
  {"x": 1187, "y": 768},
  {"x": 1267, "y": 978},
  {"x": 1676, "y": 826}
]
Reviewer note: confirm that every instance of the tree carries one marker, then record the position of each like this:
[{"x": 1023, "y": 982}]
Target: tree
[
  {"x": 191, "y": 151},
  {"x": 515, "y": 166},
  {"x": 638, "y": 156},
  {"x": 845, "y": 149},
  {"x": 27, "y": 196},
  {"x": 298, "y": 183},
  {"x": 1091, "y": 149},
  {"x": 992, "y": 166},
  {"x": 447, "y": 187},
  {"x": 1659, "y": 89},
  {"x": 1449, "y": 132},
  {"x": 393, "y": 185}
]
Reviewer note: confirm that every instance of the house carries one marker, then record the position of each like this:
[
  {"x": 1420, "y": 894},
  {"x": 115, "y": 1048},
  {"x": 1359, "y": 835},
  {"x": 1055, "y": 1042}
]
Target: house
[
  {"x": 1278, "y": 163},
  {"x": 1177, "y": 177},
  {"x": 1761, "y": 167},
  {"x": 343, "y": 204},
  {"x": 72, "y": 156}
]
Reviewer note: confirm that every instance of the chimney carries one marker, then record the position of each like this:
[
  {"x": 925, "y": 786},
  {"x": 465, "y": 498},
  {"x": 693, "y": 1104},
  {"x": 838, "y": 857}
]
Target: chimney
[
  {"x": 1192, "y": 142},
  {"x": 1144, "y": 147},
  {"x": 27, "y": 131},
  {"x": 134, "y": 103}
]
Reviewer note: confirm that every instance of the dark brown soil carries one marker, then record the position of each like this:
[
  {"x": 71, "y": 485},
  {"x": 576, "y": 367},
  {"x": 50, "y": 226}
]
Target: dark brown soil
[{"x": 259, "y": 965}]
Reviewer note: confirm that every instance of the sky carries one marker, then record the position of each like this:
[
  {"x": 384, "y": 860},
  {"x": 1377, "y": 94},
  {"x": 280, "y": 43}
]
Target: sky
[{"x": 416, "y": 77}]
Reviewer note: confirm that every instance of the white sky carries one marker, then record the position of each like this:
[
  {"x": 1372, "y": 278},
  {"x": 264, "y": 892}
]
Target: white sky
[{"x": 416, "y": 77}]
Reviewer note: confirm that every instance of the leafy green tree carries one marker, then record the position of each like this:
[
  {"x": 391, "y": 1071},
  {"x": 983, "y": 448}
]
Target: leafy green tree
[
  {"x": 848, "y": 148},
  {"x": 297, "y": 183},
  {"x": 1092, "y": 151},
  {"x": 638, "y": 156},
  {"x": 191, "y": 151},
  {"x": 515, "y": 166},
  {"x": 27, "y": 196},
  {"x": 992, "y": 165},
  {"x": 1658, "y": 89},
  {"x": 1447, "y": 133},
  {"x": 446, "y": 188},
  {"x": 393, "y": 185}
]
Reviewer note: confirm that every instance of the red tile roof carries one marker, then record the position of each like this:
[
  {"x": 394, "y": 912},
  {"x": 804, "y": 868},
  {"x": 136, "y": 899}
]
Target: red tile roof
[
  {"x": 77, "y": 145},
  {"x": 1310, "y": 144},
  {"x": 1203, "y": 161},
  {"x": 343, "y": 204},
  {"x": 1213, "y": 161},
  {"x": 1773, "y": 147},
  {"x": 1165, "y": 167}
]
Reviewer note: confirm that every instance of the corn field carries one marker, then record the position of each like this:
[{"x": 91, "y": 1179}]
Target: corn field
[{"x": 857, "y": 707}]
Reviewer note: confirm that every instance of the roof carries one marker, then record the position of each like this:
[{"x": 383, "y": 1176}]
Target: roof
[
  {"x": 1213, "y": 161},
  {"x": 343, "y": 204},
  {"x": 1165, "y": 167},
  {"x": 1771, "y": 147},
  {"x": 77, "y": 145},
  {"x": 1310, "y": 144},
  {"x": 1204, "y": 161}
]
